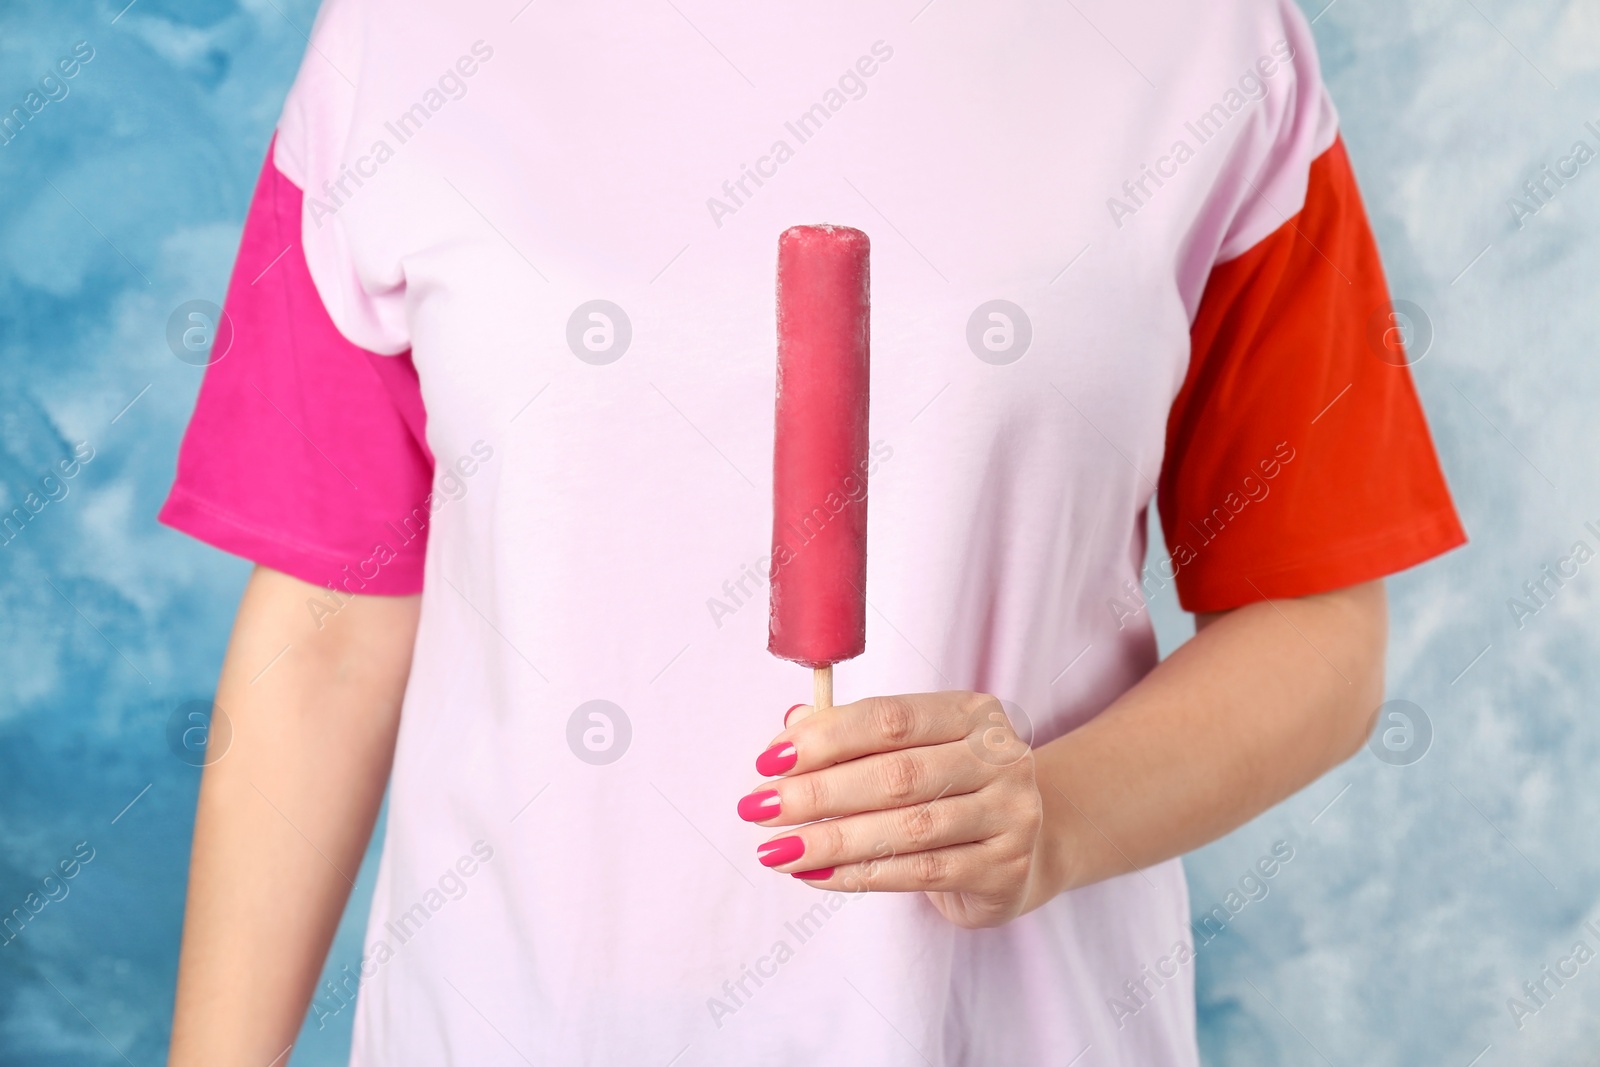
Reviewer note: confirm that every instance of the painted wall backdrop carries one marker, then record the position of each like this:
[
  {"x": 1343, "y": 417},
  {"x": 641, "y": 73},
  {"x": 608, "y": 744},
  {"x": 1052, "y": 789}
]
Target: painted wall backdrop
[{"x": 1430, "y": 878}]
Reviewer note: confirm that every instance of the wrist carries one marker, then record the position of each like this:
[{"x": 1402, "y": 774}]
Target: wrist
[
  {"x": 1069, "y": 847},
  {"x": 1059, "y": 850}
]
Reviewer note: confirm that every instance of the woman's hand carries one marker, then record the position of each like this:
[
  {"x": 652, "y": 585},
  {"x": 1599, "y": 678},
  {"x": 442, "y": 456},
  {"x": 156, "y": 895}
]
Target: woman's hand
[
  {"x": 936, "y": 793},
  {"x": 932, "y": 792}
]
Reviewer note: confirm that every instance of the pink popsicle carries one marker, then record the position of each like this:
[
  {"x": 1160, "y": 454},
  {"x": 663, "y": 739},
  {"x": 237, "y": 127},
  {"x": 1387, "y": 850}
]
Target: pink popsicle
[{"x": 819, "y": 515}]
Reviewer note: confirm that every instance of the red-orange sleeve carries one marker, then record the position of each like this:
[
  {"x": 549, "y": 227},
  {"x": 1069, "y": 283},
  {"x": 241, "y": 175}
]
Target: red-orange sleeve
[{"x": 1298, "y": 459}]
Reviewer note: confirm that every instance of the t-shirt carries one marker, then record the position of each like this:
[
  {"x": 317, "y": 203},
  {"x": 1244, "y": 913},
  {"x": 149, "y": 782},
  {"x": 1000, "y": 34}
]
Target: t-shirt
[{"x": 502, "y": 332}]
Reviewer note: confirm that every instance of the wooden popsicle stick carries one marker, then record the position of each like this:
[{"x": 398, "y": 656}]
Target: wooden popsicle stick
[{"x": 822, "y": 687}]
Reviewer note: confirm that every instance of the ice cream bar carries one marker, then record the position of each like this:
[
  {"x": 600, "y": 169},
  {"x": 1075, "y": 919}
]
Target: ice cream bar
[{"x": 819, "y": 493}]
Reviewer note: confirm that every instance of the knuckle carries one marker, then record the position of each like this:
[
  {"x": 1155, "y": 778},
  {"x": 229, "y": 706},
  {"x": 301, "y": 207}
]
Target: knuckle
[
  {"x": 871, "y": 872},
  {"x": 979, "y": 710},
  {"x": 865, "y": 878},
  {"x": 930, "y": 868},
  {"x": 1033, "y": 817},
  {"x": 1025, "y": 813},
  {"x": 810, "y": 792},
  {"x": 980, "y": 706},
  {"x": 1024, "y": 818},
  {"x": 893, "y": 719},
  {"x": 920, "y": 826},
  {"x": 901, "y": 776},
  {"x": 1022, "y": 769},
  {"x": 830, "y": 838}
]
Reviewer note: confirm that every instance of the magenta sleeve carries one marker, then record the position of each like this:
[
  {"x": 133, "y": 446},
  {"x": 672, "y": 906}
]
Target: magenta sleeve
[{"x": 306, "y": 453}]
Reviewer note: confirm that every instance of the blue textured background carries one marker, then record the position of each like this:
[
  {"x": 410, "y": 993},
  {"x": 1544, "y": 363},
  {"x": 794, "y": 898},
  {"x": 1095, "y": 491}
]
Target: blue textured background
[{"x": 1420, "y": 897}]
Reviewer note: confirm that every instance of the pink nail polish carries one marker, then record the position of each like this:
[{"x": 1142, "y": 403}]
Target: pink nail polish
[
  {"x": 765, "y": 804},
  {"x": 821, "y": 874},
  {"x": 776, "y": 760},
  {"x": 783, "y": 850},
  {"x": 790, "y": 712}
]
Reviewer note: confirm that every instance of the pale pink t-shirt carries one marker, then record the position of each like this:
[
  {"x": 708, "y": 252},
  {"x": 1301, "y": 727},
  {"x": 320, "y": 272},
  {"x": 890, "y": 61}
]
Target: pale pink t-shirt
[{"x": 503, "y": 332}]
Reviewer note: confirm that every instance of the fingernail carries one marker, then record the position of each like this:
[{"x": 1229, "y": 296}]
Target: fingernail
[
  {"x": 783, "y": 850},
  {"x": 819, "y": 875},
  {"x": 790, "y": 712},
  {"x": 776, "y": 760},
  {"x": 762, "y": 805}
]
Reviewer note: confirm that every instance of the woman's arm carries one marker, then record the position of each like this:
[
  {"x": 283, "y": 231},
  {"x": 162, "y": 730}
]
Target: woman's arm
[
  {"x": 1261, "y": 702},
  {"x": 925, "y": 793},
  {"x": 285, "y": 815}
]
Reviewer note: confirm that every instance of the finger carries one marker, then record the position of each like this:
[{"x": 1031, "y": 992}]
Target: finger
[
  {"x": 873, "y": 835},
  {"x": 878, "y": 724},
  {"x": 872, "y": 783},
  {"x": 796, "y": 713},
  {"x": 964, "y": 868}
]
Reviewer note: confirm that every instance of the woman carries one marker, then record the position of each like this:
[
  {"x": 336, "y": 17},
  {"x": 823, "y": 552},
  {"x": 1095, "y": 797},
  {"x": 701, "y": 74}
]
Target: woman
[{"x": 494, "y": 425}]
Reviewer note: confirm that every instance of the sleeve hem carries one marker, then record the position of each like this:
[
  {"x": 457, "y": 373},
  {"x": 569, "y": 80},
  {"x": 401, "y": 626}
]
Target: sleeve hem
[
  {"x": 209, "y": 522},
  {"x": 1367, "y": 560}
]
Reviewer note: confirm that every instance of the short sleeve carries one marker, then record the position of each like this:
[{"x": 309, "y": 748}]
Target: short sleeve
[
  {"x": 322, "y": 148},
  {"x": 1298, "y": 459},
  {"x": 306, "y": 452}
]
